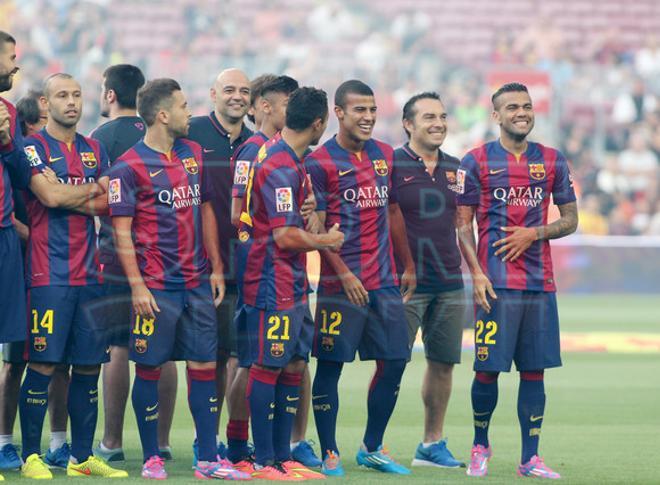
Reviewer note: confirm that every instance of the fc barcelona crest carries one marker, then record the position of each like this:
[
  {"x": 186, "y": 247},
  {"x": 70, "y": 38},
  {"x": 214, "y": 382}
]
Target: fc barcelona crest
[
  {"x": 190, "y": 164},
  {"x": 88, "y": 159},
  {"x": 328, "y": 343},
  {"x": 482, "y": 353},
  {"x": 380, "y": 166},
  {"x": 140, "y": 345},
  {"x": 537, "y": 171},
  {"x": 40, "y": 344},
  {"x": 277, "y": 349}
]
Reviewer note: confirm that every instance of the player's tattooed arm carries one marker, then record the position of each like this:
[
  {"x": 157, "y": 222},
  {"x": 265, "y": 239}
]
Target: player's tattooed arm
[
  {"x": 481, "y": 285},
  {"x": 565, "y": 225},
  {"x": 402, "y": 251},
  {"x": 212, "y": 247}
]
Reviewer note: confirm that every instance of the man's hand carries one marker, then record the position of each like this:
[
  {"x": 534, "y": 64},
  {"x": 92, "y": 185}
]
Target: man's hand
[
  {"x": 144, "y": 303},
  {"x": 516, "y": 243},
  {"x": 314, "y": 224},
  {"x": 5, "y": 125},
  {"x": 408, "y": 284},
  {"x": 335, "y": 238},
  {"x": 217, "y": 281},
  {"x": 481, "y": 290},
  {"x": 50, "y": 175},
  {"x": 308, "y": 207},
  {"x": 354, "y": 290}
]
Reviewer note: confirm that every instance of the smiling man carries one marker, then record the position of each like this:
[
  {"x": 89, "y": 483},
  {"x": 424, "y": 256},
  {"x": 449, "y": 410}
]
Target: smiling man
[{"x": 507, "y": 184}]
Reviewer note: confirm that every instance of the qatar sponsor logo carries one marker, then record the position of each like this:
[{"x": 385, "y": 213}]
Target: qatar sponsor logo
[
  {"x": 181, "y": 197},
  {"x": 367, "y": 197},
  {"x": 76, "y": 180},
  {"x": 523, "y": 196}
]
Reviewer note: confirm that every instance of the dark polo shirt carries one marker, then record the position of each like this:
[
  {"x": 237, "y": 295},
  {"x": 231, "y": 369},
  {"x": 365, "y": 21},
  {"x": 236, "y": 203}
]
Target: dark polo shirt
[
  {"x": 218, "y": 151},
  {"x": 428, "y": 204}
]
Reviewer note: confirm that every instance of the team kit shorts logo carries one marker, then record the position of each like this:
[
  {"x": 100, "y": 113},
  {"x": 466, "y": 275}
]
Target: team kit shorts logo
[
  {"x": 367, "y": 197},
  {"x": 277, "y": 349},
  {"x": 114, "y": 191},
  {"x": 482, "y": 353},
  {"x": 520, "y": 196},
  {"x": 180, "y": 197},
  {"x": 88, "y": 159},
  {"x": 140, "y": 345},
  {"x": 32, "y": 155},
  {"x": 40, "y": 344},
  {"x": 537, "y": 171},
  {"x": 241, "y": 172},
  {"x": 284, "y": 199},
  {"x": 190, "y": 164},
  {"x": 328, "y": 343},
  {"x": 380, "y": 166}
]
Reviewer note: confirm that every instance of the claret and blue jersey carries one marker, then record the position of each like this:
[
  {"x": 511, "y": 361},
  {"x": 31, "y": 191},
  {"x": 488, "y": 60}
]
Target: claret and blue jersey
[{"x": 514, "y": 192}]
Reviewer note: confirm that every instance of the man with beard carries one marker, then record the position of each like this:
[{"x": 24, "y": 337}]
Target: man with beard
[
  {"x": 63, "y": 279},
  {"x": 507, "y": 184}
]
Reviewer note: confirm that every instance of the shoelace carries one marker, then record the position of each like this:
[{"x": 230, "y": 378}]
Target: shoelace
[{"x": 156, "y": 460}]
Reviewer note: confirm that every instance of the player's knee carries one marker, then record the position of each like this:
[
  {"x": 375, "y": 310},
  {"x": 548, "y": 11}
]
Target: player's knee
[
  {"x": 296, "y": 367},
  {"x": 391, "y": 369},
  {"x": 88, "y": 370},
  {"x": 147, "y": 373},
  {"x": 13, "y": 371},
  {"x": 486, "y": 377},
  {"x": 533, "y": 375},
  {"x": 201, "y": 365},
  {"x": 42, "y": 368}
]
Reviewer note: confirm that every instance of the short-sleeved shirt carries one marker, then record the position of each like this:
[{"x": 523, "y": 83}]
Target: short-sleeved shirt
[
  {"x": 428, "y": 205},
  {"x": 218, "y": 151},
  {"x": 274, "y": 278},
  {"x": 61, "y": 248},
  {"x": 511, "y": 192},
  {"x": 243, "y": 159},
  {"x": 117, "y": 136},
  {"x": 164, "y": 195},
  {"x": 14, "y": 167},
  {"x": 355, "y": 189}
]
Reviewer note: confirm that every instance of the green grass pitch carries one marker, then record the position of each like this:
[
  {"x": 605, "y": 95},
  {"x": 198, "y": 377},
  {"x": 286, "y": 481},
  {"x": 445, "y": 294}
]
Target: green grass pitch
[{"x": 601, "y": 422}]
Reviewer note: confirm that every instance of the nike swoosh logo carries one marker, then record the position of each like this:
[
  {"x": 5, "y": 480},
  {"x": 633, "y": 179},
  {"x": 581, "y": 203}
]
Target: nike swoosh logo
[
  {"x": 495, "y": 172},
  {"x": 94, "y": 391},
  {"x": 407, "y": 179},
  {"x": 320, "y": 396},
  {"x": 34, "y": 393},
  {"x": 272, "y": 405},
  {"x": 534, "y": 419},
  {"x": 51, "y": 159},
  {"x": 207, "y": 150},
  {"x": 151, "y": 408},
  {"x": 292, "y": 399},
  {"x": 344, "y": 172},
  {"x": 153, "y": 174},
  {"x": 213, "y": 399}
]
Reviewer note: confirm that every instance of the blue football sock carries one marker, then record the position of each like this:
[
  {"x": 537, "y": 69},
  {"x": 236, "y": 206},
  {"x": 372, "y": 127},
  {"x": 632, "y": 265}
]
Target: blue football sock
[
  {"x": 531, "y": 405},
  {"x": 484, "y": 400},
  {"x": 145, "y": 404},
  {"x": 325, "y": 403},
  {"x": 383, "y": 393},
  {"x": 261, "y": 396},
  {"x": 203, "y": 402},
  {"x": 287, "y": 392},
  {"x": 32, "y": 405},
  {"x": 83, "y": 406}
]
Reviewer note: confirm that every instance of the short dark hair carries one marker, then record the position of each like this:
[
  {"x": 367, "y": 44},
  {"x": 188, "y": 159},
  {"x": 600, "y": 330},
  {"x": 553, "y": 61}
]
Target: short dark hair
[
  {"x": 153, "y": 96},
  {"x": 508, "y": 88},
  {"x": 28, "y": 109},
  {"x": 256, "y": 86},
  {"x": 306, "y": 105},
  {"x": 57, "y": 75},
  {"x": 6, "y": 38},
  {"x": 353, "y": 86},
  {"x": 125, "y": 80},
  {"x": 281, "y": 84},
  {"x": 409, "y": 111}
]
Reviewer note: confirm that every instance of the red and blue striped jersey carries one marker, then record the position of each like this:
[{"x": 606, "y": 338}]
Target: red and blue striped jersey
[
  {"x": 273, "y": 278},
  {"x": 61, "y": 248},
  {"x": 242, "y": 162},
  {"x": 163, "y": 195},
  {"x": 514, "y": 192},
  {"x": 12, "y": 159},
  {"x": 355, "y": 189}
]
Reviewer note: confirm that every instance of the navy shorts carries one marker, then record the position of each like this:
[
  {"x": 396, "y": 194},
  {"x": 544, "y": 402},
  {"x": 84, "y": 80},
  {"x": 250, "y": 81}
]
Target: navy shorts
[
  {"x": 13, "y": 352},
  {"x": 185, "y": 328},
  {"x": 275, "y": 337},
  {"x": 64, "y": 325},
  {"x": 13, "y": 313},
  {"x": 522, "y": 326},
  {"x": 379, "y": 331},
  {"x": 226, "y": 327},
  {"x": 117, "y": 307}
]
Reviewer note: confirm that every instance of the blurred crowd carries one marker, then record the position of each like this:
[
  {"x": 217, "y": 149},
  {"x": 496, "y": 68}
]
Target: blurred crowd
[{"x": 603, "y": 66}]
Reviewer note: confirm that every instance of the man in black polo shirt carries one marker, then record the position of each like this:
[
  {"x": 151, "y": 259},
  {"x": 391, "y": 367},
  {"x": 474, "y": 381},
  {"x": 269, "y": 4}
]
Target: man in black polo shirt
[
  {"x": 425, "y": 181},
  {"x": 220, "y": 133},
  {"x": 121, "y": 83}
]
